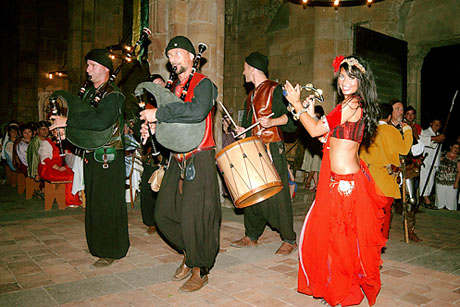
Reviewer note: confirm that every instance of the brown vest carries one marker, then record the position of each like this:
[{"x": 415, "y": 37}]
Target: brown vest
[{"x": 262, "y": 100}]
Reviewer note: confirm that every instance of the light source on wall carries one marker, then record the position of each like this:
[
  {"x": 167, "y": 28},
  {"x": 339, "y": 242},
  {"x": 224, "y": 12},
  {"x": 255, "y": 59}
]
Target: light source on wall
[
  {"x": 56, "y": 74},
  {"x": 333, "y": 3},
  {"x": 114, "y": 52}
]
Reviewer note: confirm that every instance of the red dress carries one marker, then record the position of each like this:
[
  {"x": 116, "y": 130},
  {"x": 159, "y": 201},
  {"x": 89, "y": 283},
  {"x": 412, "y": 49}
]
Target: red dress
[
  {"x": 47, "y": 172},
  {"x": 341, "y": 240}
]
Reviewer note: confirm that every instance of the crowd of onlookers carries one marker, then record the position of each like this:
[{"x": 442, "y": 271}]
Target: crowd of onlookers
[{"x": 31, "y": 150}]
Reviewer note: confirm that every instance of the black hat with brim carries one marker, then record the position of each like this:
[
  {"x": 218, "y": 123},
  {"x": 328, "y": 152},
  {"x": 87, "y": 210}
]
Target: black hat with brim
[
  {"x": 100, "y": 56},
  {"x": 258, "y": 60},
  {"x": 180, "y": 42}
]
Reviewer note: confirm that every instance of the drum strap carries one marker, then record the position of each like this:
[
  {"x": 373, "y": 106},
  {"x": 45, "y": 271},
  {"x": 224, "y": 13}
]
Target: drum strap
[
  {"x": 267, "y": 147},
  {"x": 255, "y": 114}
]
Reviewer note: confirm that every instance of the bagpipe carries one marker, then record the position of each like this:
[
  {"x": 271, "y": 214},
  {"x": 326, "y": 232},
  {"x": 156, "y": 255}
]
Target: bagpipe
[
  {"x": 178, "y": 137},
  {"x": 91, "y": 140}
]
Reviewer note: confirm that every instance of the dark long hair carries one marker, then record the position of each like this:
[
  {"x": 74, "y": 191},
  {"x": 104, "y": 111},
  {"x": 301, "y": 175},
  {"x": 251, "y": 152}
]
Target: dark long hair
[{"x": 367, "y": 91}]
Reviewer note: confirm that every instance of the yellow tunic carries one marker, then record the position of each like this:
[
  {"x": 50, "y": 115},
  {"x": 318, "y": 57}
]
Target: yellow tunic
[{"x": 385, "y": 150}]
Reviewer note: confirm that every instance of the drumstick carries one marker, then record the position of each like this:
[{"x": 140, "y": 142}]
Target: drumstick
[
  {"x": 250, "y": 127},
  {"x": 228, "y": 114}
]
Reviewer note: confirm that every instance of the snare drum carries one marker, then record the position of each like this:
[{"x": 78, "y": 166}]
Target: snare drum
[{"x": 248, "y": 172}]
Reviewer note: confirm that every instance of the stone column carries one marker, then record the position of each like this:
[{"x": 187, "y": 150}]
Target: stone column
[
  {"x": 92, "y": 24},
  {"x": 332, "y": 37},
  {"x": 415, "y": 58},
  {"x": 200, "y": 21}
]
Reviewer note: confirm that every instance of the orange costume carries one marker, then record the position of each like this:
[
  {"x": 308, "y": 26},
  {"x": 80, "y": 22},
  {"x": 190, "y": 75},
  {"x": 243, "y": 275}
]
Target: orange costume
[{"x": 341, "y": 238}]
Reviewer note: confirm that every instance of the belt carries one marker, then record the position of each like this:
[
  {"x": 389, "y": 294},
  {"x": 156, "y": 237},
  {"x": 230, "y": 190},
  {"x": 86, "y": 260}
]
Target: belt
[{"x": 180, "y": 157}]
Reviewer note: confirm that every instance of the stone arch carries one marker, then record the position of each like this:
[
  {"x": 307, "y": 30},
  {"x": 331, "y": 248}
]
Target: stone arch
[{"x": 425, "y": 29}]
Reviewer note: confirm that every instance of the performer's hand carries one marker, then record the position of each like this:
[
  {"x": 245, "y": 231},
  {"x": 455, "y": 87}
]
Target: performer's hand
[
  {"x": 145, "y": 132},
  {"x": 455, "y": 185},
  {"x": 149, "y": 115},
  {"x": 59, "y": 121},
  {"x": 439, "y": 138},
  {"x": 239, "y": 130},
  {"x": 293, "y": 95},
  {"x": 310, "y": 101},
  {"x": 62, "y": 133},
  {"x": 266, "y": 122}
]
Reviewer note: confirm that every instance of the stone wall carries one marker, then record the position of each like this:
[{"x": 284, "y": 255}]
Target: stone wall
[
  {"x": 302, "y": 42},
  {"x": 92, "y": 24},
  {"x": 200, "y": 21},
  {"x": 36, "y": 44},
  {"x": 303, "y": 45}
]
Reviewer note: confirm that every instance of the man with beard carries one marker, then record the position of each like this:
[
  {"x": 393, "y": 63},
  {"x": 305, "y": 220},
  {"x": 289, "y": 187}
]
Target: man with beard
[
  {"x": 382, "y": 158},
  {"x": 397, "y": 121},
  {"x": 188, "y": 209}
]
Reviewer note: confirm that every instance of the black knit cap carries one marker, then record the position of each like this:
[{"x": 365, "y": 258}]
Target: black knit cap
[
  {"x": 258, "y": 60},
  {"x": 100, "y": 56},
  {"x": 180, "y": 42}
]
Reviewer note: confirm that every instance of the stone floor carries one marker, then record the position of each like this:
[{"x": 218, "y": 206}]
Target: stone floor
[{"x": 44, "y": 261}]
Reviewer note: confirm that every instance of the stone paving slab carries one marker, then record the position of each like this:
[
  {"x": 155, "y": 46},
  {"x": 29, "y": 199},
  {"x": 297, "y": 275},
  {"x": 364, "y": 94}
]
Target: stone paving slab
[{"x": 44, "y": 261}]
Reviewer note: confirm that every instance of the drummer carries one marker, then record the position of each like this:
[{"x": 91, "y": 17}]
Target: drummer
[{"x": 266, "y": 98}]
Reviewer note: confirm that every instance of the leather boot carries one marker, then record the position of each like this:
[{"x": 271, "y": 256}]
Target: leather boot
[
  {"x": 413, "y": 236},
  {"x": 244, "y": 242},
  {"x": 103, "y": 262},
  {"x": 195, "y": 282},
  {"x": 183, "y": 271},
  {"x": 286, "y": 249},
  {"x": 151, "y": 230}
]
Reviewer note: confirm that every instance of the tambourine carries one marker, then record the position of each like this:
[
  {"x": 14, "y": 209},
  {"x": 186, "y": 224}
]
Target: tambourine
[{"x": 318, "y": 95}]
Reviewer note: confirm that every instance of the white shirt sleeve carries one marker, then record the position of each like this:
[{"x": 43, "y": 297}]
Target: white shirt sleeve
[
  {"x": 45, "y": 151},
  {"x": 425, "y": 138},
  {"x": 418, "y": 148}
]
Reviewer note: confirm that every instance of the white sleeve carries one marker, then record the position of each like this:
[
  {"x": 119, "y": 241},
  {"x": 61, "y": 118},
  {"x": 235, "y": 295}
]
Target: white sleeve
[
  {"x": 425, "y": 138},
  {"x": 418, "y": 148},
  {"x": 45, "y": 151}
]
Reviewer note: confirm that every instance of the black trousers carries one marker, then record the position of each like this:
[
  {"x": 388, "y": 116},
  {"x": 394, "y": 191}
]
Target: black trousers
[
  {"x": 148, "y": 197},
  {"x": 191, "y": 221},
  {"x": 106, "y": 215},
  {"x": 276, "y": 210}
]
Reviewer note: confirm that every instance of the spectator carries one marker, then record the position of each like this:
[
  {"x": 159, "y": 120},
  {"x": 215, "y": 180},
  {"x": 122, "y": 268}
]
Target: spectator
[
  {"x": 431, "y": 138},
  {"x": 447, "y": 178},
  {"x": 312, "y": 157},
  {"x": 20, "y": 149}
]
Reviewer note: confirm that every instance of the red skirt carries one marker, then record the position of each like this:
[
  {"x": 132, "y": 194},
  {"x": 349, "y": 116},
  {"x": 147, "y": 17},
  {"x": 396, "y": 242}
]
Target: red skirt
[{"x": 341, "y": 239}]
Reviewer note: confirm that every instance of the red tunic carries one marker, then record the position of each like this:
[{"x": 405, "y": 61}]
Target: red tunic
[
  {"x": 47, "y": 172},
  {"x": 208, "y": 139},
  {"x": 341, "y": 238}
]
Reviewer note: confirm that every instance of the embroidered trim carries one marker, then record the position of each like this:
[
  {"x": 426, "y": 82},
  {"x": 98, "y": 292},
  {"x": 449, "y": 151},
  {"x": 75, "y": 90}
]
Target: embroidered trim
[{"x": 353, "y": 62}]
